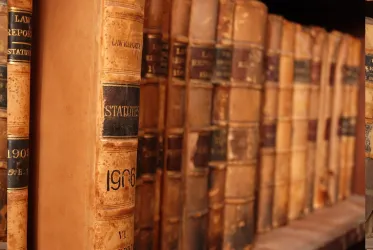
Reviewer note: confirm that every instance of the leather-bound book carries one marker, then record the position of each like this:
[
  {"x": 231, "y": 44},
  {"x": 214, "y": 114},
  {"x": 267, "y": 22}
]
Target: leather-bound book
[
  {"x": 3, "y": 120},
  {"x": 269, "y": 110},
  {"x": 197, "y": 135},
  {"x": 320, "y": 175},
  {"x": 218, "y": 164},
  {"x": 244, "y": 102},
  {"x": 368, "y": 125},
  {"x": 18, "y": 116},
  {"x": 350, "y": 80},
  {"x": 283, "y": 126},
  {"x": 87, "y": 123},
  {"x": 335, "y": 122},
  {"x": 318, "y": 37},
  {"x": 301, "y": 91},
  {"x": 172, "y": 191},
  {"x": 152, "y": 97}
]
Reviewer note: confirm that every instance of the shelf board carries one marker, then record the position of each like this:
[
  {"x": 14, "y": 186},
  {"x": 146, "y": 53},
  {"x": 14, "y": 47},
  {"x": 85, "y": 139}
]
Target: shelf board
[{"x": 331, "y": 228}]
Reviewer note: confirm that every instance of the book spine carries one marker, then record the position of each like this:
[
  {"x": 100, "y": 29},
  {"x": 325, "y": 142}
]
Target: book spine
[
  {"x": 245, "y": 94},
  {"x": 268, "y": 124},
  {"x": 196, "y": 156},
  {"x": 172, "y": 196},
  {"x": 150, "y": 130},
  {"x": 313, "y": 115},
  {"x": 320, "y": 176},
  {"x": 118, "y": 121},
  {"x": 283, "y": 127},
  {"x": 301, "y": 92},
  {"x": 18, "y": 114},
  {"x": 219, "y": 120},
  {"x": 335, "y": 146},
  {"x": 3, "y": 120}
]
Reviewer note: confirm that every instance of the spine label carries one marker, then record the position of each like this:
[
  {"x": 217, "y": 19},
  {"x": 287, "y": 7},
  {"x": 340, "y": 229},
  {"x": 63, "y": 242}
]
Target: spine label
[
  {"x": 179, "y": 60},
  {"x": 272, "y": 68},
  {"x": 175, "y": 146},
  {"x": 247, "y": 65},
  {"x": 332, "y": 74},
  {"x": 148, "y": 154},
  {"x": 368, "y": 136},
  {"x": 201, "y": 156},
  {"x": 151, "y": 55},
  {"x": 302, "y": 71},
  {"x": 312, "y": 130},
  {"x": 18, "y": 163},
  {"x": 19, "y": 35},
  {"x": 350, "y": 75},
  {"x": 3, "y": 86},
  {"x": 223, "y": 64},
  {"x": 369, "y": 67},
  {"x": 219, "y": 144},
  {"x": 316, "y": 73},
  {"x": 327, "y": 129},
  {"x": 346, "y": 126},
  {"x": 121, "y": 110},
  {"x": 164, "y": 59},
  {"x": 201, "y": 63},
  {"x": 268, "y": 135}
]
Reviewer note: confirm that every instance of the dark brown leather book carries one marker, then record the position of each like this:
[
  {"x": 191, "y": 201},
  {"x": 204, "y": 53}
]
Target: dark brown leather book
[
  {"x": 172, "y": 192},
  {"x": 301, "y": 92},
  {"x": 197, "y": 125},
  {"x": 18, "y": 116},
  {"x": 318, "y": 36},
  {"x": 221, "y": 82},
  {"x": 3, "y": 120},
  {"x": 245, "y": 94},
  {"x": 268, "y": 124},
  {"x": 283, "y": 127},
  {"x": 152, "y": 95},
  {"x": 87, "y": 123}
]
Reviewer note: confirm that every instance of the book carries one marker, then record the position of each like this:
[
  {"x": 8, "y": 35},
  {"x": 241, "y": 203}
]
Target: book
[
  {"x": 318, "y": 37},
  {"x": 220, "y": 97},
  {"x": 283, "y": 127},
  {"x": 151, "y": 121},
  {"x": 245, "y": 94},
  {"x": 88, "y": 127},
  {"x": 18, "y": 120},
  {"x": 266, "y": 171}
]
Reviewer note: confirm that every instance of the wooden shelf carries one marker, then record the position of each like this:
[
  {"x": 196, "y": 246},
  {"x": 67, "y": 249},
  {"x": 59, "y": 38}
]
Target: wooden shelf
[{"x": 332, "y": 228}]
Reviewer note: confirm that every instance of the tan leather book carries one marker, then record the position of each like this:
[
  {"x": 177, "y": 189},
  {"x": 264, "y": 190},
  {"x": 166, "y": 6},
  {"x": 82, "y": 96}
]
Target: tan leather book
[
  {"x": 151, "y": 121},
  {"x": 218, "y": 164},
  {"x": 172, "y": 191},
  {"x": 318, "y": 36},
  {"x": 368, "y": 126},
  {"x": 268, "y": 124},
  {"x": 197, "y": 137},
  {"x": 335, "y": 122},
  {"x": 301, "y": 96},
  {"x": 18, "y": 116},
  {"x": 321, "y": 170},
  {"x": 87, "y": 123},
  {"x": 350, "y": 83},
  {"x": 283, "y": 127},
  {"x": 244, "y": 106},
  {"x": 3, "y": 120}
]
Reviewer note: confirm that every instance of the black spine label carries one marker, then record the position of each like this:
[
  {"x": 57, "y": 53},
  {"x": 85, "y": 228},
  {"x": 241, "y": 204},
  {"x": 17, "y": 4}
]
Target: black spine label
[
  {"x": 219, "y": 144},
  {"x": 302, "y": 71},
  {"x": 223, "y": 64},
  {"x": 179, "y": 60},
  {"x": 369, "y": 68},
  {"x": 3, "y": 86},
  {"x": 332, "y": 74},
  {"x": 19, "y": 35},
  {"x": 149, "y": 154},
  {"x": 175, "y": 146},
  {"x": 346, "y": 126},
  {"x": 121, "y": 110},
  {"x": 164, "y": 59},
  {"x": 201, "y": 156},
  {"x": 18, "y": 163},
  {"x": 350, "y": 75},
  {"x": 201, "y": 63},
  {"x": 151, "y": 55}
]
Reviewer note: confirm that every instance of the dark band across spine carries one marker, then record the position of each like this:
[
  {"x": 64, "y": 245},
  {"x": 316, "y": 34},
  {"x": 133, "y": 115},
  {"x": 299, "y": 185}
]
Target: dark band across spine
[{"x": 18, "y": 163}]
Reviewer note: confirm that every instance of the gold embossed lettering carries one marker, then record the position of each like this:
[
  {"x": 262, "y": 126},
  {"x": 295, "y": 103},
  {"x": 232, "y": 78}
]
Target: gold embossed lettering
[
  {"x": 22, "y": 19},
  {"x": 121, "y": 111}
]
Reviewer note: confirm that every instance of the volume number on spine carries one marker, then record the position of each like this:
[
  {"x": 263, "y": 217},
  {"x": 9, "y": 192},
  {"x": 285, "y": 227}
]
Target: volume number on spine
[{"x": 18, "y": 163}]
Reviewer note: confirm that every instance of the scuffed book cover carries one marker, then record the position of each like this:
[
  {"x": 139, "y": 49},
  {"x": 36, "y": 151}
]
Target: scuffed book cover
[{"x": 267, "y": 160}]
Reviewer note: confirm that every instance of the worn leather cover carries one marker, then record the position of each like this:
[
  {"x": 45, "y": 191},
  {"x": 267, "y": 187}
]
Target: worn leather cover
[
  {"x": 218, "y": 164},
  {"x": 172, "y": 196},
  {"x": 318, "y": 36},
  {"x": 350, "y": 80},
  {"x": 336, "y": 113},
  {"x": 269, "y": 111},
  {"x": 150, "y": 152},
  {"x": 244, "y": 104},
  {"x": 197, "y": 139},
  {"x": 283, "y": 127},
  {"x": 18, "y": 116},
  {"x": 369, "y": 127},
  {"x": 88, "y": 79},
  {"x": 3, "y": 120}
]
